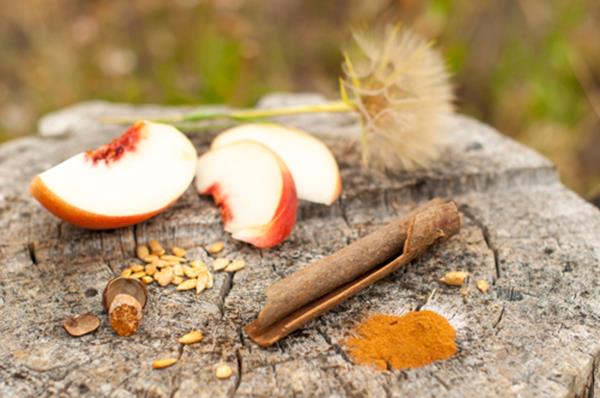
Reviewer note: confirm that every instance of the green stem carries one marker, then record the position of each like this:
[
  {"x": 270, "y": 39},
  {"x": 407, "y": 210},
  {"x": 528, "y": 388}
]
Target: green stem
[
  {"x": 252, "y": 114},
  {"x": 245, "y": 114}
]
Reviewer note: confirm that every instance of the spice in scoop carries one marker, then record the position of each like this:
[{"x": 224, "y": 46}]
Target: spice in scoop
[{"x": 124, "y": 299}]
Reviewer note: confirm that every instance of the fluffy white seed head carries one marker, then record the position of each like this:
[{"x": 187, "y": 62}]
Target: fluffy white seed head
[{"x": 402, "y": 90}]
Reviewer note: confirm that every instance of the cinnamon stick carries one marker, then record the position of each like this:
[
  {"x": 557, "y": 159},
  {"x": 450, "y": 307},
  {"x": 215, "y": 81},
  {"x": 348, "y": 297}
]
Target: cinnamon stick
[{"x": 318, "y": 287}]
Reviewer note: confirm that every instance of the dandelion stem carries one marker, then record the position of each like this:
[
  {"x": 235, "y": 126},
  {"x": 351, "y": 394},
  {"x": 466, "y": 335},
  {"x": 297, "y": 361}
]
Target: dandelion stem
[{"x": 245, "y": 114}]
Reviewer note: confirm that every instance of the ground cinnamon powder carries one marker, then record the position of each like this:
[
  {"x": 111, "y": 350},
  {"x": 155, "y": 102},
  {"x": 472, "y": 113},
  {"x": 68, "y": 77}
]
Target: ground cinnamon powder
[{"x": 409, "y": 341}]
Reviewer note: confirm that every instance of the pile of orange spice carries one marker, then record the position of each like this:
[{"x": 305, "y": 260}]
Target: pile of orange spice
[{"x": 400, "y": 342}]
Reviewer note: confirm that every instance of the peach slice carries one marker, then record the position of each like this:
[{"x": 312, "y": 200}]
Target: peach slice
[
  {"x": 253, "y": 188},
  {"x": 311, "y": 163},
  {"x": 129, "y": 180}
]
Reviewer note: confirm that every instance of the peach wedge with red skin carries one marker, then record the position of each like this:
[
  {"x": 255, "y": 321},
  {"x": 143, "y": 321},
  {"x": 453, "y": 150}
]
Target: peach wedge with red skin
[
  {"x": 311, "y": 163},
  {"x": 253, "y": 188},
  {"x": 127, "y": 181}
]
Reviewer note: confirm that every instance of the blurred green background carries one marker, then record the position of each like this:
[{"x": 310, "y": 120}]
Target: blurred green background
[{"x": 531, "y": 68}]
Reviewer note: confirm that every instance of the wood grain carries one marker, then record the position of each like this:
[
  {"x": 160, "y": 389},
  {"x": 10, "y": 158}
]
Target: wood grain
[{"x": 534, "y": 334}]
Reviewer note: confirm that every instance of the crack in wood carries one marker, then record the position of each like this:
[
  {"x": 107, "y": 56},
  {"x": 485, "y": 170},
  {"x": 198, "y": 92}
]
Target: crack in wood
[
  {"x": 227, "y": 286},
  {"x": 495, "y": 325},
  {"x": 31, "y": 251},
  {"x": 441, "y": 381},
  {"x": 464, "y": 208},
  {"x": 336, "y": 347},
  {"x": 592, "y": 386},
  {"x": 134, "y": 230},
  {"x": 239, "y": 364},
  {"x": 343, "y": 211}
]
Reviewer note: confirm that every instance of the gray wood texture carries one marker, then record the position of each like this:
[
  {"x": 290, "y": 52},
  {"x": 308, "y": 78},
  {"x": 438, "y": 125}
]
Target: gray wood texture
[{"x": 534, "y": 334}]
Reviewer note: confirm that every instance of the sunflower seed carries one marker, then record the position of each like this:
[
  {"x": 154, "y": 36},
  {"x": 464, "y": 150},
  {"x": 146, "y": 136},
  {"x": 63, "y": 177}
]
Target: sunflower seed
[
  {"x": 483, "y": 286},
  {"x": 137, "y": 275},
  {"x": 201, "y": 283},
  {"x": 235, "y": 266},
  {"x": 223, "y": 371},
  {"x": 178, "y": 251},
  {"x": 211, "y": 280},
  {"x": 168, "y": 257},
  {"x": 164, "y": 276},
  {"x": 126, "y": 272},
  {"x": 191, "y": 337},
  {"x": 220, "y": 264},
  {"x": 178, "y": 270},
  {"x": 136, "y": 267},
  {"x": 147, "y": 279},
  {"x": 163, "y": 363},
  {"x": 150, "y": 269},
  {"x": 203, "y": 278},
  {"x": 187, "y": 285},
  {"x": 156, "y": 248},
  {"x": 150, "y": 258},
  {"x": 200, "y": 267},
  {"x": 177, "y": 280},
  {"x": 190, "y": 272},
  {"x": 160, "y": 263},
  {"x": 142, "y": 251},
  {"x": 455, "y": 278},
  {"x": 215, "y": 247}
]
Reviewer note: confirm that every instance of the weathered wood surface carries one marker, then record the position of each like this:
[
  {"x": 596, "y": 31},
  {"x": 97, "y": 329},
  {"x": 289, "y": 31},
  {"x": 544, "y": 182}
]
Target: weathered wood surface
[{"x": 535, "y": 334}]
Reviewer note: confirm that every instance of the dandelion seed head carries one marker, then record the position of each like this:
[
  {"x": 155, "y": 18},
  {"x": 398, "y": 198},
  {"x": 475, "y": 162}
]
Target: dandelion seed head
[{"x": 401, "y": 88}]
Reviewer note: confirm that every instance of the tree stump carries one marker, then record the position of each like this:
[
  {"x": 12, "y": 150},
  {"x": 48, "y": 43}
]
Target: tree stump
[{"x": 535, "y": 333}]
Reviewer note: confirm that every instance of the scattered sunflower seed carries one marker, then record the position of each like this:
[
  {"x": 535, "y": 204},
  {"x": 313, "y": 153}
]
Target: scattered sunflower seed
[
  {"x": 137, "y": 275},
  {"x": 211, "y": 280},
  {"x": 178, "y": 251},
  {"x": 164, "y": 276},
  {"x": 150, "y": 269},
  {"x": 163, "y": 363},
  {"x": 178, "y": 270},
  {"x": 455, "y": 278},
  {"x": 136, "y": 267},
  {"x": 187, "y": 284},
  {"x": 168, "y": 257},
  {"x": 483, "y": 286},
  {"x": 215, "y": 247},
  {"x": 80, "y": 325},
  {"x": 156, "y": 248},
  {"x": 150, "y": 258},
  {"x": 200, "y": 285},
  {"x": 142, "y": 251},
  {"x": 190, "y": 272},
  {"x": 235, "y": 266},
  {"x": 160, "y": 263},
  {"x": 200, "y": 267},
  {"x": 177, "y": 280},
  {"x": 191, "y": 337},
  {"x": 223, "y": 371},
  {"x": 147, "y": 279},
  {"x": 220, "y": 264},
  {"x": 126, "y": 272}
]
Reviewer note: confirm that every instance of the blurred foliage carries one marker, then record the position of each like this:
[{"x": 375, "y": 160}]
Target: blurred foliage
[{"x": 531, "y": 68}]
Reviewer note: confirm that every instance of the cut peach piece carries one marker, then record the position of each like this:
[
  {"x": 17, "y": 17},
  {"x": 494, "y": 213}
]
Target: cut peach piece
[
  {"x": 313, "y": 166},
  {"x": 253, "y": 188},
  {"x": 129, "y": 180}
]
